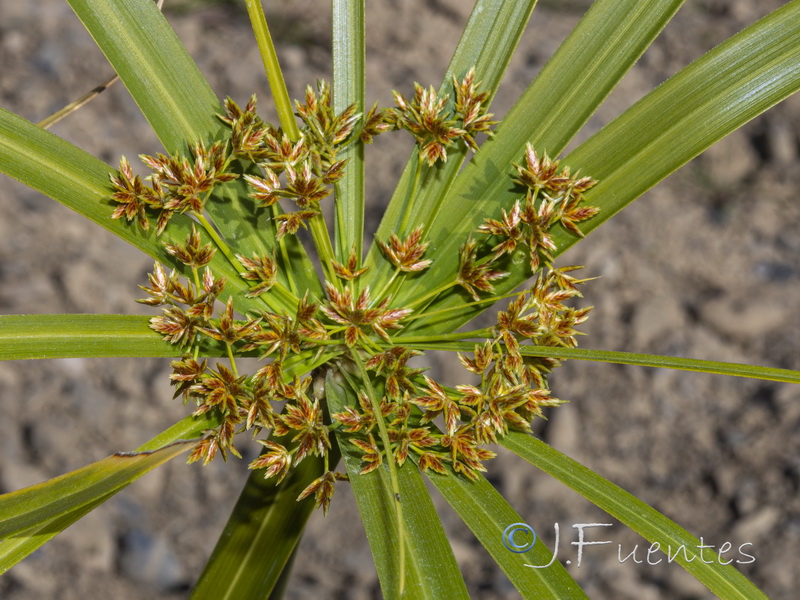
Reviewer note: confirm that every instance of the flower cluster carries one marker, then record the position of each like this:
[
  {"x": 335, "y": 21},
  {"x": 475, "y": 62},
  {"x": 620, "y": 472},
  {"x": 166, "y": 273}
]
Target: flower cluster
[
  {"x": 177, "y": 184},
  {"x": 308, "y": 166},
  {"x": 397, "y": 412},
  {"x": 434, "y": 121},
  {"x": 551, "y": 197},
  {"x": 177, "y": 324},
  {"x": 512, "y": 389},
  {"x": 406, "y": 255}
]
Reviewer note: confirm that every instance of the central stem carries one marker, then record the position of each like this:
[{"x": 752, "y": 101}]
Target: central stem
[
  {"x": 387, "y": 448},
  {"x": 412, "y": 195}
]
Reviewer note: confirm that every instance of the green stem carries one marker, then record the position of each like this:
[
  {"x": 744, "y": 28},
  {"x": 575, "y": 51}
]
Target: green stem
[
  {"x": 232, "y": 360},
  {"x": 341, "y": 217},
  {"x": 395, "y": 482},
  {"x": 196, "y": 343},
  {"x": 321, "y": 342},
  {"x": 388, "y": 285},
  {"x": 444, "y": 337},
  {"x": 274, "y": 74},
  {"x": 433, "y": 294},
  {"x": 287, "y": 298},
  {"x": 287, "y": 265},
  {"x": 374, "y": 346},
  {"x": 219, "y": 242},
  {"x": 281, "y": 242},
  {"x": 490, "y": 300},
  {"x": 322, "y": 240},
  {"x": 412, "y": 195}
]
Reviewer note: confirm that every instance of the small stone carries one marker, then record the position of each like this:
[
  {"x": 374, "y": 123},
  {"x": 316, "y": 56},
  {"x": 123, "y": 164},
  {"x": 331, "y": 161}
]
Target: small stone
[
  {"x": 782, "y": 142},
  {"x": 755, "y": 527},
  {"x": 775, "y": 271},
  {"x": 746, "y": 315},
  {"x": 92, "y": 539},
  {"x": 730, "y": 160},
  {"x": 149, "y": 560},
  {"x": 564, "y": 430}
]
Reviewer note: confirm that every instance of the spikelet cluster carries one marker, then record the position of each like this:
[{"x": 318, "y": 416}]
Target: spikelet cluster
[{"x": 350, "y": 330}]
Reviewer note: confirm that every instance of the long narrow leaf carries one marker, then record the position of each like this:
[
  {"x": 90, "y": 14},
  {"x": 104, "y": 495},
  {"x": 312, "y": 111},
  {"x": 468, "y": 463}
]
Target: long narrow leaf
[
  {"x": 722, "y": 579},
  {"x": 488, "y": 515},
  {"x": 70, "y": 336},
  {"x": 39, "y": 504},
  {"x": 66, "y": 173},
  {"x": 431, "y": 570},
  {"x": 487, "y": 43},
  {"x": 598, "y": 52},
  {"x": 155, "y": 67},
  {"x": 79, "y": 181},
  {"x": 91, "y": 336},
  {"x": 181, "y": 107},
  {"x": 632, "y": 358},
  {"x": 715, "y": 95},
  {"x": 703, "y": 103},
  {"x": 267, "y": 521},
  {"x": 16, "y": 548},
  {"x": 349, "y": 48}
]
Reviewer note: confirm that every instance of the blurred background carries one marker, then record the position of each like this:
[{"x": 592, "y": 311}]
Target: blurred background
[{"x": 707, "y": 265}]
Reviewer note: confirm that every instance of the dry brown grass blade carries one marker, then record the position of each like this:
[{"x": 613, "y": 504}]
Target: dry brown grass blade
[{"x": 48, "y": 122}]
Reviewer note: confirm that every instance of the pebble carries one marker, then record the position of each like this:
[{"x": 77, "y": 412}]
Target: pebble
[
  {"x": 148, "y": 559},
  {"x": 744, "y": 315},
  {"x": 756, "y": 526},
  {"x": 92, "y": 539},
  {"x": 564, "y": 430},
  {"x": 730, "y": 160}
]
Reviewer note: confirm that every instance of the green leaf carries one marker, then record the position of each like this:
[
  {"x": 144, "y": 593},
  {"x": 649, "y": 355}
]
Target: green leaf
[
  {"x": 70, "y": 336},
  {"x": 156, "y": 68},
  {"x": 704, "y": 102},
  {"x": 69, "y": 175},
  {"x": 723, "y": 580},
  {"x": 266, "y": 521},
  {"x": 188, "y": 428},
  {"x": 349, "y": 48},
  {"x": 487, "y": 43},
  {"x": 182, "y": 108},
  {"x": 631, "y": 358},
  {"x": 697, "y": 107},
  {"x": 37, "y": 505},
  {"x": 16, "y": 548},
  {"x": 260, "y": 536},
  {"x": 79, "y": 181},
  {"x": 431, "y": 570},
  {"x": 488, "y": 514},
  {"x": 604, "y": 45}
]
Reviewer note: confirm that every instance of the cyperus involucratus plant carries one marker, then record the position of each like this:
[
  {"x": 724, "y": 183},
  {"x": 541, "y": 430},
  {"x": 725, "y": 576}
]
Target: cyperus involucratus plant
[{"x": 223, "y": 210}]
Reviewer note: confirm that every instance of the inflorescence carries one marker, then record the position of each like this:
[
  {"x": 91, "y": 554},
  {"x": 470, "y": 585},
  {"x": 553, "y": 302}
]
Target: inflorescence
[{"x": 348, "y": 330}]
